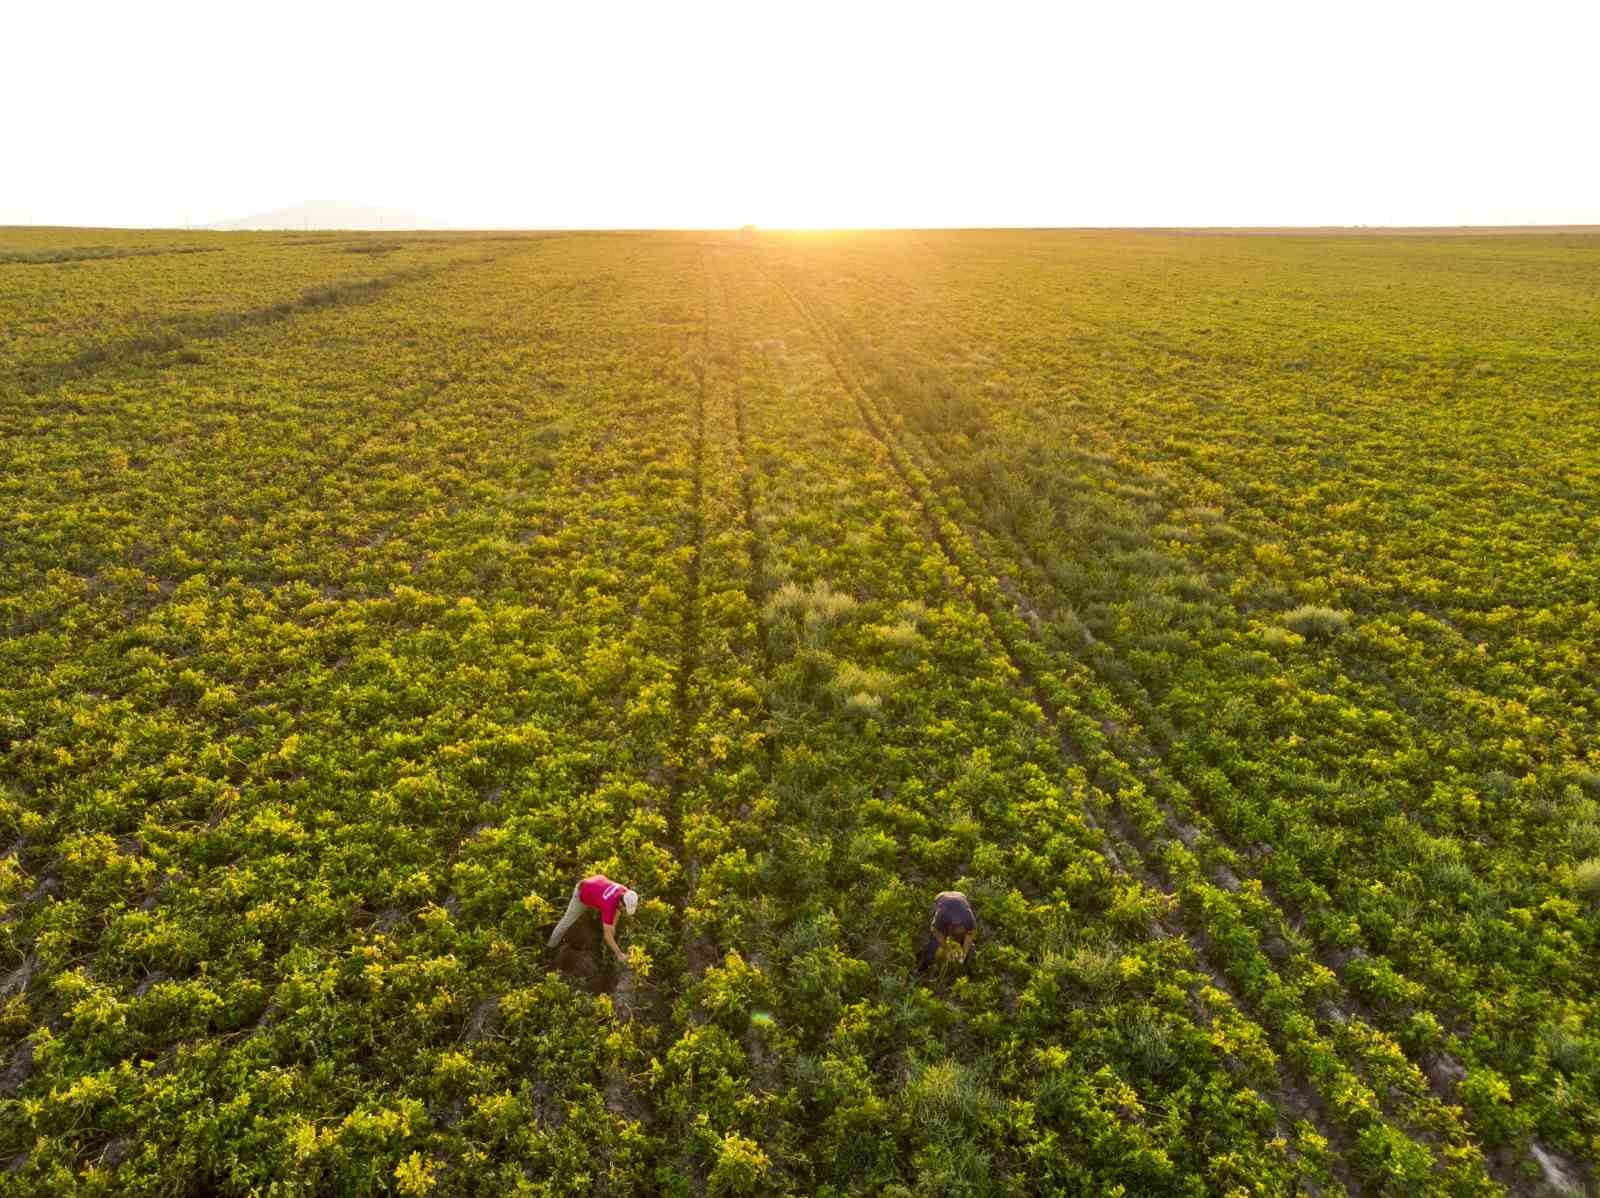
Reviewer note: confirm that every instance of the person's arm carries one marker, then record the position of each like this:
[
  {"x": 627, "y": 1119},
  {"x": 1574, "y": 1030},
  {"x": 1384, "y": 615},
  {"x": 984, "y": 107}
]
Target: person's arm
[
  {"x": 970, "y": 941},
  {"x": 610, "y": 933},
  {"x": 930, "y": 949}
]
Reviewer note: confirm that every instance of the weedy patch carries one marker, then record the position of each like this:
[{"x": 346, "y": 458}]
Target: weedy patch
[{"x": 1318, "y": 623}]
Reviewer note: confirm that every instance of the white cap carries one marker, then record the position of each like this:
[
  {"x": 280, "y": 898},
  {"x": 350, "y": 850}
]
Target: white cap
[{"x": 630, "y": 900}]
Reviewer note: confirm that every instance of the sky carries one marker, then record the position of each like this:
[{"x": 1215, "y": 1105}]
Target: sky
[{"x": 779, "y": 114}]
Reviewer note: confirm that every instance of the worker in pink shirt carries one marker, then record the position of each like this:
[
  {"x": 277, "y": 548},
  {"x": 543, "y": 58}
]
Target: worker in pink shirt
[{"x": 605, "y": 896}]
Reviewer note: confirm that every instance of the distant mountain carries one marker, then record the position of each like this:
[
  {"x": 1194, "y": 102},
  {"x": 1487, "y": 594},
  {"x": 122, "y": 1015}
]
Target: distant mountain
[{"x": 324, "y": 214}]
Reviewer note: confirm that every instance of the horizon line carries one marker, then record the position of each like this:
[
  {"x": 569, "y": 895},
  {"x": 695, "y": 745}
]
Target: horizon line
[{"x": 843, "y": 228}]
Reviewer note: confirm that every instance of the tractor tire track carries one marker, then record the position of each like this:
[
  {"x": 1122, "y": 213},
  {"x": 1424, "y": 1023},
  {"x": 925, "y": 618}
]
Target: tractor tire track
[
  {"x": 633, "y": 1000},
  {"x": 689, "y": 633},
  {"x": 756, "y": 586},
  {"x": 38, "y": 379}
]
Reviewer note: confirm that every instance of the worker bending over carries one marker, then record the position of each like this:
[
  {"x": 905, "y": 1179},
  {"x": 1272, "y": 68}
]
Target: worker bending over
[
  {"x": 605, "y": 896},
  {"x": 952, "y": 918}
]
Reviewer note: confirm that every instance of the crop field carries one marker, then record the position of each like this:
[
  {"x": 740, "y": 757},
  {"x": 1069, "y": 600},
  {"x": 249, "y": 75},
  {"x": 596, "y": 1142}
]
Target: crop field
[{"x": 1218, "y": 612}]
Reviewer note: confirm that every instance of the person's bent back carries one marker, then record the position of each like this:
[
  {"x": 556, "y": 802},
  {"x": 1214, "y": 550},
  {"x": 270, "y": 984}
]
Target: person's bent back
[
  {"x": 952, "y": 918},
  {"x": 605, "y": 896}
]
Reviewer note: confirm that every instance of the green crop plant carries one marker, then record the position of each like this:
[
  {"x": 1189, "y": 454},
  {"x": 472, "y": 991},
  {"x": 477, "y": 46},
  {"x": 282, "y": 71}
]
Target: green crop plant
[{"x": 1197, "y": 605}]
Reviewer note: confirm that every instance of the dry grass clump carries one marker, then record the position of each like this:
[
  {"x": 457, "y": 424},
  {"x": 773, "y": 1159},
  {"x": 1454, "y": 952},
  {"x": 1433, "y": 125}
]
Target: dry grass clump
[
  {"x": 902, "y": 635},
  {"x": 1280, "y": 639},
  {"x": 1319, "y": 622},
  {"x": 818, "y": 602},
  {"x": 804, "y": 615},
  {"x": 1145, "y": 563},
  {"x": 1175, "y": 532},
  {"x": 1586, "y": 879},
  {"x": 1096, "y": 969},
  {"x": 863, "y": 705},
  {"x": 949, "y": 1092},
  {"x": 1448, "y": 875},
  {"x": 1585, "y": 834},
  {"x": 1569, "y": 1052},
  {"x": 861, "y": 690},
  {"x": 1190, "y": 585}
]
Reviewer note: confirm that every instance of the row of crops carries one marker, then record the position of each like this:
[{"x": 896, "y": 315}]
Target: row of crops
[
  {"x": 1340, "y": 631},
  {"x": 361, "y": 594}
]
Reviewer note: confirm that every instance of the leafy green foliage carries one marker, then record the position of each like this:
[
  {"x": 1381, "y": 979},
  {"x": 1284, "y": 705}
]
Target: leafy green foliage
[{"x": 1226, "y": 638}]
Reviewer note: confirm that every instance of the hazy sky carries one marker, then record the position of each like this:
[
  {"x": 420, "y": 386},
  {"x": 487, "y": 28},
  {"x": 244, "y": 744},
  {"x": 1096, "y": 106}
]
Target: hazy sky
[{"x": 572, "y": 114}]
